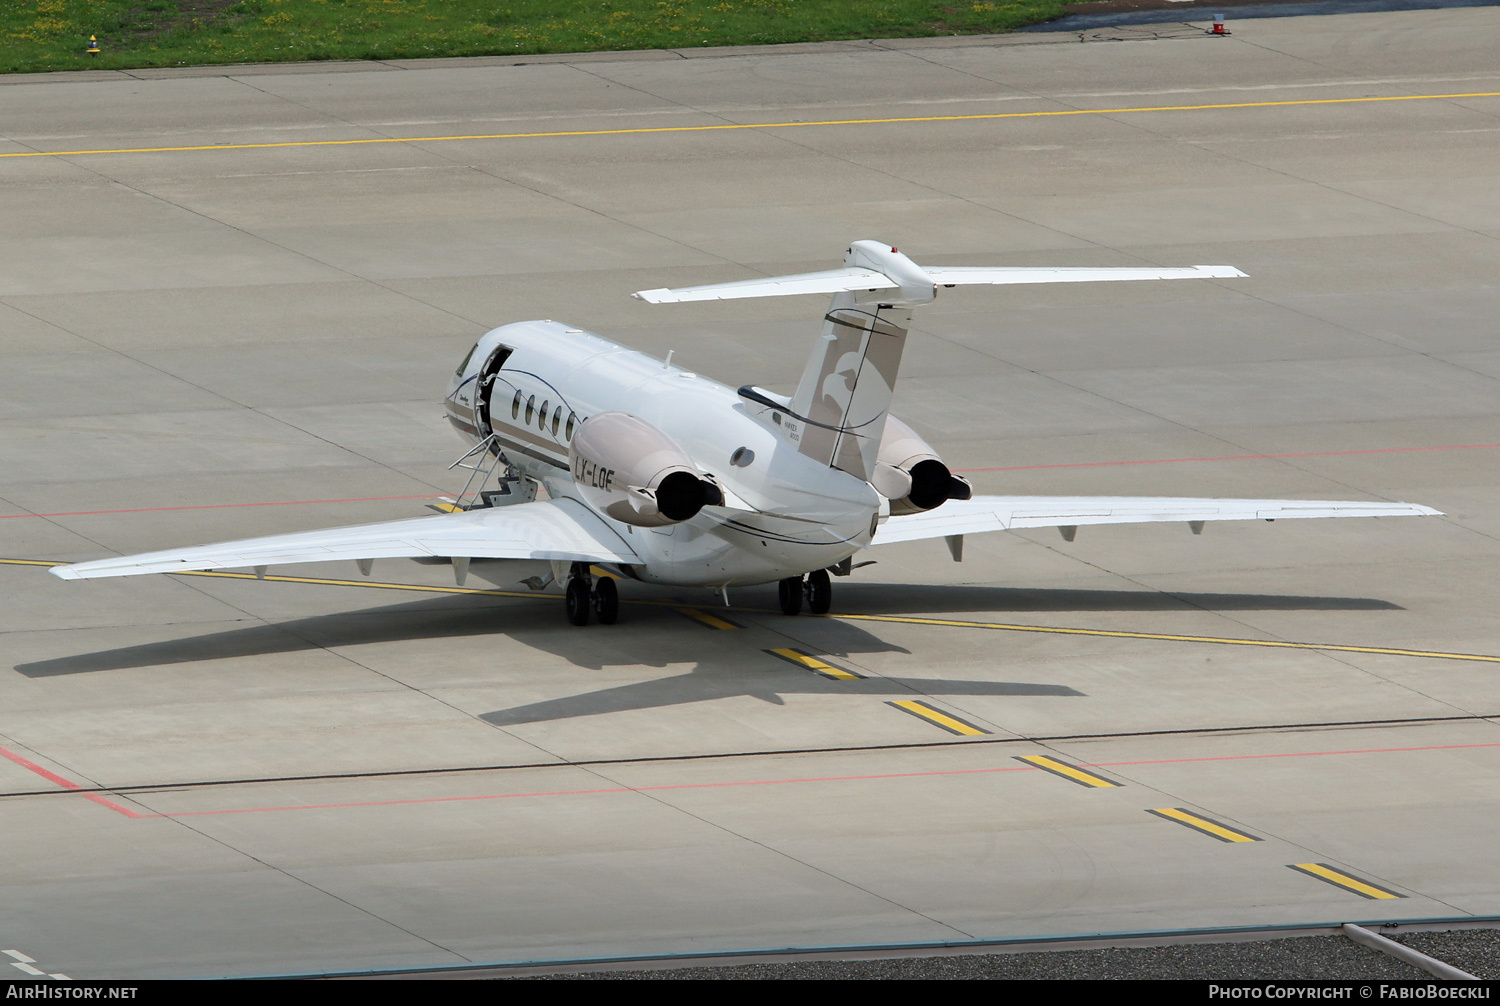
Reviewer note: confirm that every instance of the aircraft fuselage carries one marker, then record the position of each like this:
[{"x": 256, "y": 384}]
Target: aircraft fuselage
[{"x": 783, "y": 514}]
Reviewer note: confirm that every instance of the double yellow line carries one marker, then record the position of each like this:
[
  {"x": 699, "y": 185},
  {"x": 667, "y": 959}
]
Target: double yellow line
[{"x": 1223, "y": 106}]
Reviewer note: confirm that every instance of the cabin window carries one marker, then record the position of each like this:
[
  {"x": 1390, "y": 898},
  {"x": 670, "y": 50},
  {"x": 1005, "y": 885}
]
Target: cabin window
[
  {"x": 542, "y": 420},
  {"x": 530, "y": 409},
  {"x": 572, "y": 420},
  {"x": 556, "y": 420},
  {"x": 515, "y": 404}
]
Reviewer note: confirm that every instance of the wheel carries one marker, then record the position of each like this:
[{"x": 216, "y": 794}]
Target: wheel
[
  {"x": 577, "y": 600},
  {"x": 819, "y": 592},
  {"x": 606, "y": 600},
  {"x": 791, "y": 595}
]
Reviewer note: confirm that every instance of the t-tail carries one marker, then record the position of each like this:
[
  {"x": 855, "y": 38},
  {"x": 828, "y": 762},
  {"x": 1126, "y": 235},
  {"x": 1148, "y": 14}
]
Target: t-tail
[{"x": 838, "y": 414}]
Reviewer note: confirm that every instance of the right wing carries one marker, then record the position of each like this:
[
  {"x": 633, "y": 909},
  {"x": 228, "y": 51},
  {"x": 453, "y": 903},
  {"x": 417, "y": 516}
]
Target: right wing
[
  {"x": 1006, "y": 513},
  {"x": 562, "y": 530},
  {"x": 1007, "y": 275}
]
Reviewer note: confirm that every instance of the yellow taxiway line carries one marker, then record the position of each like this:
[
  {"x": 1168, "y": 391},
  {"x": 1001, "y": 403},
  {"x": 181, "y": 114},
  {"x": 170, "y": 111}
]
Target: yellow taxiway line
[
  {"x": 1168, "y": 636},
  {"x": 1068, "y": 771},
  {"x": 1347, "y": 881},
  {"x": 898, "y": 619},
  {"x": 936, "y": 716},
  {"x": 709, "y": 619},
  {"x": 759, "y": 125},
  {"x": 1206, "y": 825},
  {"x": 807, "y": 661}
]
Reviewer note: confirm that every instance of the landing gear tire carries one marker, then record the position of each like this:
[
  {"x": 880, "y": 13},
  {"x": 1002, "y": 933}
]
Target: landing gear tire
[
  {"x": 790, "y": 591},
  {"x": 577, "y": 600},
  {"x": 606, "y": 601},
  {"x": 819, "y": 592}
]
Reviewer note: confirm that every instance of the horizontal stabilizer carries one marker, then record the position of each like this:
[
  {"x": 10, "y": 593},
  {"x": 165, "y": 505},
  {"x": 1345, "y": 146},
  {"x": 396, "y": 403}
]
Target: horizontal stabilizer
[
  {"x": 833, "y": 281},
  {"x": 563, "y": 530},
  {"x": 1008, "y": 513},
  {"x": 856, "y": 278}
]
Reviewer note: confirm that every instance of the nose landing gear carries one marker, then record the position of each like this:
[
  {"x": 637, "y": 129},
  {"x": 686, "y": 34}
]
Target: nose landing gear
[
  {"x": 584, "y": 597},
  {"x": 816, "y": 588}
]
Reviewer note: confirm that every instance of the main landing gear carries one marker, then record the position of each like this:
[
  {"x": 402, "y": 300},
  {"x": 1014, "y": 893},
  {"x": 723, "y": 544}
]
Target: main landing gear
[
  {"x": 585, "y": 596},
  {"x": 816, "y": 587}
]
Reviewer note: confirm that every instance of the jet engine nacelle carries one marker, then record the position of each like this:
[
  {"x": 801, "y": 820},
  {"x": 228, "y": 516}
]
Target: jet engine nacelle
[
  {"x": 635, "y": 473},
  {"x": 911, "y": 475}
]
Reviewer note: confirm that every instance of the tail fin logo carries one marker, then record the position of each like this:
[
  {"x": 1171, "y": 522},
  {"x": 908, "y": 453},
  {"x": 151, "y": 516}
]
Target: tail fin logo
[{"x": 838, "y": 387}]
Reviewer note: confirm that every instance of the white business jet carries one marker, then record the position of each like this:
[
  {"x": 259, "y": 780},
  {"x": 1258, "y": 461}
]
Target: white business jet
[{"x": 656, "y": 474}]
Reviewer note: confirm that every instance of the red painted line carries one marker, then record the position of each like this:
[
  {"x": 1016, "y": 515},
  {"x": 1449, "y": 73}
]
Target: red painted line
[
  {"x": 53, "y": 777},
  {"x": 32, "y": 766},
  {"x": 1234, "y": 457},
  {"x": 785, "y": 782},
  {"x": 221, "y": 506},
  {"x": 104, "y": 802}
]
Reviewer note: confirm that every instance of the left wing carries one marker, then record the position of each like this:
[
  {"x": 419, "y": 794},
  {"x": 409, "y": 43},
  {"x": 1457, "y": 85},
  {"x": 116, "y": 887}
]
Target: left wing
[
  {"x": 1006, "y": 513},
  {"x": 561, "y": 529}
]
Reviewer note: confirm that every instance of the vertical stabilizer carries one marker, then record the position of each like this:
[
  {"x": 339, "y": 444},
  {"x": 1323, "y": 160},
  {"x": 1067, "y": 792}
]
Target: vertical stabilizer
[
  {"x": 846, "y": 388},
  {"x": 850, "y": 377},
  {"x": 839, "y": 411}
]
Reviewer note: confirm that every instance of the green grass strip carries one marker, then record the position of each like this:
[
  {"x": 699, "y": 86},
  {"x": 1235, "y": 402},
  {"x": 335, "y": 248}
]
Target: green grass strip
[{"x": 38, "y": 35}]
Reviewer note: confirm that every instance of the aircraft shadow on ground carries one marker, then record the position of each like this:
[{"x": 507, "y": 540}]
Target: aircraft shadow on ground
[
  {"x": 432, "y": 618},
  {"x": 910, "y": 598},
  {"x": 708, "y": 681},
  {"x": 539, "y": 625}
]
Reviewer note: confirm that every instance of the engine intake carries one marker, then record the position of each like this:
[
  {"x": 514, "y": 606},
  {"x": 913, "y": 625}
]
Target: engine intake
[
  {"x": 911, "y": 475},
  {"x": 636, "y": 474}
]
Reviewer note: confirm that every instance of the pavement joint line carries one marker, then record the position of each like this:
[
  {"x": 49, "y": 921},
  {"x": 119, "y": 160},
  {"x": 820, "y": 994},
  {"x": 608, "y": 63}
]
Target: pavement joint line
[
  {"x": 757, "y": 125},
  {"x": 69, "y": 787},
  {"x": 817, "y": 665},
  {"x": 1205, "y": 825},
  {"x": 938, "y": 717},
  {"x": 1014, "y": 944},
  {"x": 1068, "y": 771},
  {"x": 1346, "y": 881},
  {"x": 897, "y": 619}
]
